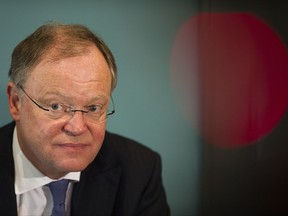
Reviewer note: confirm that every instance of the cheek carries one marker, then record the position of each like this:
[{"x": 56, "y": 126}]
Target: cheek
[
  {"x": 40, "y": 128},
  {"x": 98, "y": 133},
  {"x": 37, "y": 134},
  {"x": 37, "y": 129},
  {"x": 31, "y": 117}
]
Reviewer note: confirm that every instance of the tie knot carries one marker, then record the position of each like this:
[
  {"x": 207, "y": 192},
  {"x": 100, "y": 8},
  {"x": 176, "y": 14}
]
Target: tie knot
[{"x": 58, "y": 191}]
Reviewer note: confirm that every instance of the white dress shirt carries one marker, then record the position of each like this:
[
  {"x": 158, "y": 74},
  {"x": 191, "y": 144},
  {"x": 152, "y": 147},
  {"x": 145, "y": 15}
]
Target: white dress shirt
[{"x": 32, "y": 194}]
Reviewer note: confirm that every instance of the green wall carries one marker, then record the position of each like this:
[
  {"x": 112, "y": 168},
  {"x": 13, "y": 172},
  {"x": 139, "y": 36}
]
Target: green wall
[{"x": 140, "y": 34}]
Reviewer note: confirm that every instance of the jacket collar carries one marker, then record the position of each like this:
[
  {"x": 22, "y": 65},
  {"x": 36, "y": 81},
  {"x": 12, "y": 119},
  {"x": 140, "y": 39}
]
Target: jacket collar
[{"x": 99, "y": 184}]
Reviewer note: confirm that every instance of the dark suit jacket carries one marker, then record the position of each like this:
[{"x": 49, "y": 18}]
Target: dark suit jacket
[{"x": 124, "y": 179}]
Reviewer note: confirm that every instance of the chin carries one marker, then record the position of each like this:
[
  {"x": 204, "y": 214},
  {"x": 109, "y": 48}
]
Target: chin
[{"x": 74, "y": 166}]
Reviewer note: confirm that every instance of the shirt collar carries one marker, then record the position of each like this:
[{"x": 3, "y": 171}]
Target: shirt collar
[{"x": 27, "y": 176}]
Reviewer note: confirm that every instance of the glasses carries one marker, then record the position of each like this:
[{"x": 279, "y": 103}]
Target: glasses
[{"x": 94, "y": 113}]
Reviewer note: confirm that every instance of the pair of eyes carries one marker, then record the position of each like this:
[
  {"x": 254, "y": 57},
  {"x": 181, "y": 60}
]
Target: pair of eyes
[{"x": 58, "y": 107}]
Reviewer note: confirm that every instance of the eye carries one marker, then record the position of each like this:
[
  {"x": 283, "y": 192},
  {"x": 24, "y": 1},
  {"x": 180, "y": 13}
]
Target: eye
[
  {"x": 56, "y": 107},
  {"x": 95, "y": 109}
]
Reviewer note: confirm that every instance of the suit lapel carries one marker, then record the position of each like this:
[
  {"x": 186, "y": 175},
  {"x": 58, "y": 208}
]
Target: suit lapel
[{"x": 95, "y": 194}]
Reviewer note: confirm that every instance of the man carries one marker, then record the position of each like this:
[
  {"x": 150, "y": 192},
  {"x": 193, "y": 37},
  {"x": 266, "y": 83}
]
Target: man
[{"x": 61, "y": 79}]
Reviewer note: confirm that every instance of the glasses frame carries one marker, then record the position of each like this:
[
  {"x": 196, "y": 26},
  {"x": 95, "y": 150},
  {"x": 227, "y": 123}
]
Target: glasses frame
[{"x": 71, "y": 108}]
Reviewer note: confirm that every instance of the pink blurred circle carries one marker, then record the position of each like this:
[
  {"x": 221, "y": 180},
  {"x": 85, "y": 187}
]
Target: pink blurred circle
[{"x": 230, "y": 72}]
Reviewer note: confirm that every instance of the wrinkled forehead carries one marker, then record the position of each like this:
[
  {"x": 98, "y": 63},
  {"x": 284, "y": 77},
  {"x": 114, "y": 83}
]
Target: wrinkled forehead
[
  {"x": 84, "y": 67},
  {"x": 59, "y": 54}
]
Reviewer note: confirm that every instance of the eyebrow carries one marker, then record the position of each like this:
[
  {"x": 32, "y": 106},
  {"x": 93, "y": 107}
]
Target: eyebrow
[{"x": 68, "y": 98}]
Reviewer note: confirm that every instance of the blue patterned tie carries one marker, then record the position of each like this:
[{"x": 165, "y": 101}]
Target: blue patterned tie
[{"x": 58, "y": 190}]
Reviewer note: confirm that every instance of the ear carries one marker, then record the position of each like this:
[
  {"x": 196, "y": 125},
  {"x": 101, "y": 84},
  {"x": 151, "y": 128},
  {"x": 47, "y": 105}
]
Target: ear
[{"x": 13, "y": 101}]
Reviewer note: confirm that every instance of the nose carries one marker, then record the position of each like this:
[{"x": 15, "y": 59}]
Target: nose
[{"x": 76, "y": 125}]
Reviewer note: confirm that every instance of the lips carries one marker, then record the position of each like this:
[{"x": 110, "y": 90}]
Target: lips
[{"x": 73, "y": 146}]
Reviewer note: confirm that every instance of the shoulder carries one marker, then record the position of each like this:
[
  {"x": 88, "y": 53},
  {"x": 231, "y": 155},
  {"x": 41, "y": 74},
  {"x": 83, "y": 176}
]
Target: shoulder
[
  {"x": 6, "y": 136},
  {"x": 7, "y": 129},
  {"x": 141, "y": 179},
  {"x": 127, "y": 148},
  {"x": 129, "y": 153}
]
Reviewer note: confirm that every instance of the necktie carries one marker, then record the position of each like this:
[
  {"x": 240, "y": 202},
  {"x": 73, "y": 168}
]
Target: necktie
[{"x": 58, "y": 191}]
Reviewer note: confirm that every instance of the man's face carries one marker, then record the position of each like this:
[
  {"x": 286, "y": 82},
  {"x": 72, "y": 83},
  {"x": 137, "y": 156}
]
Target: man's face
[{"x": 67, "y": 144}]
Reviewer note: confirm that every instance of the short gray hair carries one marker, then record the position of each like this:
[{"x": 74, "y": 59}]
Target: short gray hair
[{"x": 67, "y": 40}]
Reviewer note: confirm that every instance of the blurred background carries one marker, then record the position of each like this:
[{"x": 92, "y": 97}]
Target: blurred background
[{"x": 202, "y": 82}]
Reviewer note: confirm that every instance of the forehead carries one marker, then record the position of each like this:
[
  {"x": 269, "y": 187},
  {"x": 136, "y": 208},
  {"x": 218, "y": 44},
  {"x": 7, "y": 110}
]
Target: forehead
[{"x": 81, "y": 70}]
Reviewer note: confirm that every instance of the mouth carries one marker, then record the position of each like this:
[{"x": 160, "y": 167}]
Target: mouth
[{"x": 72, "y": 146}]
